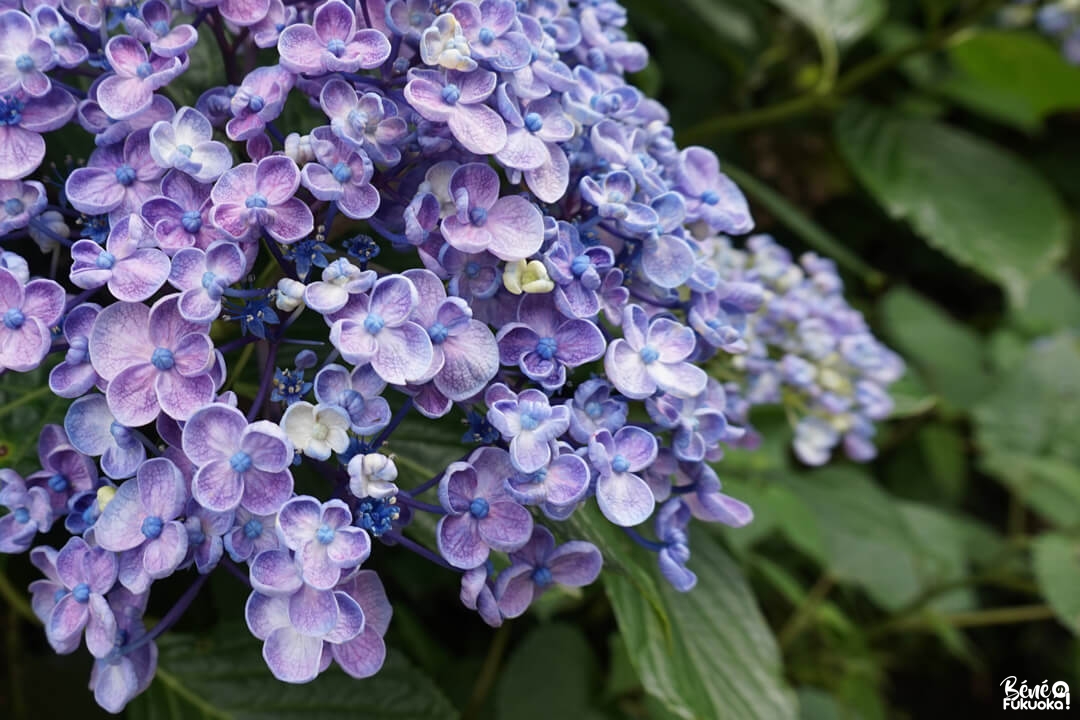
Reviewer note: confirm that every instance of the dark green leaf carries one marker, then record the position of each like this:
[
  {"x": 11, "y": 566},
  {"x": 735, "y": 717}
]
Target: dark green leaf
[
  {"x": 547, "y": 676},
  {"x": 1053, "y": 305},
  {"x": 719, "y": 659},
  {"x": 1057, "y": 568},
  {"x": 844, "y": 20},
  {"x": 223, "y": 677},
  {"x": 977, "y": 203}
]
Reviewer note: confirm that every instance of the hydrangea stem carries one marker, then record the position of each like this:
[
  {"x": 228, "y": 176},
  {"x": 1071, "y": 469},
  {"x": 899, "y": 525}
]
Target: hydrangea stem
[
  {"x": 175, "y": 613},
  {"x": 406, "y": 499},
  {"x": 398, "y": 417},
  {"x": 264, "y": 385}
]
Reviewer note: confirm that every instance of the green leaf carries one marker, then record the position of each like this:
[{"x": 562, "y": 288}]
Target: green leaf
[
  {"x": 223, "y": 677},
  {"x": 1053, "y": 305},
  {"x": 26, "y": 405},
  {"x": 866, "y": 540},
  {"x": 547, "y": 676},
  {"x": 1057, "y": 569},
  {"x": 1019, "y": 65},
  {"x": 844, "y": 20},
  {"x": 973, "y": 201},
  {"x": 1049, "y": 486},
  {"x": 945, "y": 452},
  {"x": 719, "y": 660},
  {"x": 947, "y": 354},
  {"x": 941, "y": 557}
]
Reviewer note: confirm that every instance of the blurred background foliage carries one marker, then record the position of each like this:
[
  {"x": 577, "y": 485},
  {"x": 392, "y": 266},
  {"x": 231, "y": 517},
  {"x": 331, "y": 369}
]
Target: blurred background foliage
[{"x": 931, "y": 152}]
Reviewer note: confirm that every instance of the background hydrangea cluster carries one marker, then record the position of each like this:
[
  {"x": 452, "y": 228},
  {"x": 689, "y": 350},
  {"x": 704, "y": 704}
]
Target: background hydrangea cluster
[
  {"x": 1059, "y": 20},
  {"x": 478, "y": 217}
]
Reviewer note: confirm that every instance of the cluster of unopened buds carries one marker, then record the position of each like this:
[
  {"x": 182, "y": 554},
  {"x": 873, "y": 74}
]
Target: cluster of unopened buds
[{"x": 481, "y": 221}]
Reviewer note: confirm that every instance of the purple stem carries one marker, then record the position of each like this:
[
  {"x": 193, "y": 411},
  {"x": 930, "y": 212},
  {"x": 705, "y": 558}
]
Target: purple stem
[
  {"x": 419, "y": 550},
  {"x": 287, "y": 267},
  {"x": 175, "y": 613},
  {"x": 238, "y": 343},
  {"x": 235, "y": 570},
  {"x": 79, "y": 299},
  {"x": 264, "y": 386},
  {"x": 406, "y": 499},
  {"x": 398, "y": 417},
  {"x": 643, "y": 542}
]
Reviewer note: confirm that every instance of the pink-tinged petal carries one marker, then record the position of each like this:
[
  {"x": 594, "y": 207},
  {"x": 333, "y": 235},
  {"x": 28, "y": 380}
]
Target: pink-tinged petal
[
  {"x": 316, "y": 567},
  {"x": 235, "y": 186},
  {"x": 359, "y": 201},
  {"x": 472, "y": 360},
  {"x": 627, "y": 372},
  {"x": 94, "y": 191},
  {"x": 351, "y": 546},
  {"x": 350, "y": 619},
  {"x": 217, "y": 486},
  {"x": 301, "y": 49},
  {"x": 292, "y": 657},
  {"x": 465, "y": 236},
  {"x": 334, "y": 20},
  {"x": 277, "y": 179},
  {"x": 43, "y": 300},
  {"x": 131, "y": 395},
  {"x": 507, "y": 526},
  {"x": 567, "y": 481},
  {"x": 674, "y": 342},
  {"x": 66, "y": 622},
  {"x": 193, "y": 355},
  {"x": 21, "y": 152},
  {"x": 550, "y": 180},
  {"x": 370, "y": 48},
  {"x": 265, "y": 614},
  {"x": 163, "y": 555},
  {"x": 180, "y": 39},
  {"x": 459, "y": 541},
  {"x": 137, "y": 278},
  {"x": 356, "y": 344},
  {"x": 313, "y": 612},
  {"x": 232, "y": 220},
  {"x": 478, "y": 128},
  {"x": 426, "y": 97},
  {"x": 292, "y": 221},
  {"x": 515, "y": 590},
  {"x": 244, "y": 12},
  {"x": 120, "y": 339},
  {"x": 23, "y": 350},
  {"x": 517, "y": 227},
  {"x": 162, "y": 488},
  {"x": 213, "y": 433},
  {"x": 480, "y": 181},
  {"x": 625, "y": 499},
  {"x": 274, "y": 573},
  {"x": 101, "y": 629},
  {"x": 321, "y": 182},
  {"x": 265, "y": 492},
  {"x": 404, "y": 354},
  {"x": 124, "y": 97},
  {"x": 125, "y": 54},
  {"x": 523, "y": 151},
  {"x": 299, "y": 520},
  {"x": 680, "y": 379},
  {"x": 119, "y": 527},
  {"x": 180, "y": 397},
  {"x": 575, "y": 564},
  {"x": 363, "y": 656},
  {"x": 268, "y": 446}
]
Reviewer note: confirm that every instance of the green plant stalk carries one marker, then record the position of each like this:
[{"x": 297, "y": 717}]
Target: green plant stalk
[
  {"x": 800, "y": 619},
  {"x": 974, "y": 618},
  {"x": 24, "y": 399},
  {"x": 15, "y": 599},
  {"x": 489, "y": 672}
]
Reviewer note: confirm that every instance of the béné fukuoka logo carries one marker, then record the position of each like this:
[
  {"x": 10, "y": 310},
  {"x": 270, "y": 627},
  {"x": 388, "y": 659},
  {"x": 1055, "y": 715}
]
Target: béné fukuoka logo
[{"x": 1040, "y": 696}]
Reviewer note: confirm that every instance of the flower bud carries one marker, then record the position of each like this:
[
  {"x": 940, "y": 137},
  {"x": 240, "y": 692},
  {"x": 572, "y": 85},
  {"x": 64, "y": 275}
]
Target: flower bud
[{"x": 290, "y": 294}]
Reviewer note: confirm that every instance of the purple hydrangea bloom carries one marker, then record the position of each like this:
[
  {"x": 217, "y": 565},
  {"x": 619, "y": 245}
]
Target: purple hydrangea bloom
[
  {"x": 137, "y": 76},
  {"x": 481, "y": 515},
  {"x": 117, "y": 180},
  {"x": 239, "y": 463},
  {"x": 710, "y": 195},
  {"x": 511, "y": 227},
  {"x": 205, "y": 530},
  {"x": 489, "y": 28},
  {"x": 70, "y": 53},
  {"x": 358, "y": 393},
  {"x": 323, "y": 538},
  {"x": 340, "y": 280},
  {"x": 577, "y": 272},
  {"x": 131, "y": 267},
  {"x": 362, "y": 655},
  {"x": 186, "y": 143},
  {"x": 86, "y": 574},
  {"x": 369, "y": 122},
  {"x": 343, "y": 175},
  {"x": 74, "y": 376},
  {"x": 594, "y": 409},
  {"x": 701, "y": 493},
  {"x": 671, "y": 528},
  {"x": 64, "y": 470},
  {"x": 254, "y": 197},
  {"x": 624, "y": 498},
  {"x": 154, "y": 360},
  {"x": 557, "y": 487},
  {"x": 141, "y": 523},
  {"x": 697, "y": 424},
  {"x": 267, "y": 31},
  {"x": 93, "y": 431},
  {"x": 529, "y": 423},
  {"x": 180, "y": 216},
  {"x": 539, "y": 565},
  {"x": 203, "y": 276},
  {"x": 544, "y": 344},
  {"x": 19, "y": 202},
  {"x": 478, "y": 593},
  {"x": 30, "y": 512},
  {"x": 258, "y": 100},
  {"x": 119, "y": 676},
  {"x": 457, "y": 99},
  {"x": 24, "y": 57},
  {"x": 28, "y": 312},
  {"x": 153, "y": 25},
  {"x": 377, "y": 330},
  {"x": 653, "y": 355},
  {"x": 250, "y": 535},
  {"x": 22, "y": 120},
  {"x": 332, "y": 43}
]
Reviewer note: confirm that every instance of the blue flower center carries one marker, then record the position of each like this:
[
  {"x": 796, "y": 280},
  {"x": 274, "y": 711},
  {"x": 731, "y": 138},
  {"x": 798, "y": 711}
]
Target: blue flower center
[
  {"x": 161, "y": 27},
  {"x": 451, "y": 94},
  {"x": 546, "y": 347},
  {"x": 342, "y": 172},
  {"x": 709, "y": 197},
  {"x": 144, "y": 70},
  {"x": 593, "y": 409},
  {"x": 336, "y": 47},
  {"x": 125, "y": 175},
  {"x": 240, "y": 462},
  {"x": 256, "y": 201},
  {"x": 253, "y": 528},
  {"x": 208, "y": 279},
  {"x": 530, "y": 420},
  {"x": 10, "y": 110},
  {"x": 256, "y": 103},
  {"x": 22, "y": 515},
  {"x": 24, "y": 63},
  {"x": 533, "y": 122},
  {"x": 478, "y": 216},
  {"x": 58, "y": 483},
  {"x": 14, "y": 319},
  {"x": 649, "y": 354},
  {"x": 81, "y": 593},
  {"x": 325, "y": 534},
  {"x": 58, "y": 36},
  {"x": 620, "y": 464},
  {"x": 14, "y": 206},
  {"x": 616, "y": 197},
  {"x": 487, "y": 36},
  {"x": 151, "y": 527},
  {"x": 162, "y": 359},
  {"x": 191, "y": 221},
  {"x": 122, "y": 435},
  {"x": 59, "y": 594},
  {"x": 185, "y": 150},
  {"x": 579, "y": 265},
  {"x": 539, "y": 476},
  {"x": 105, "y": 260},
  {"x": 479, "y": 508},
  {"x": 438, "y": 333},
  {"x": 542, "y": 576},
  {"x": 472, "y": 268},
  {"x": 77, "y": 352},
  {"x": 358, "y": 119},
  {"x": 196, "y": 536},
  {"x": 373, "y": 323}
]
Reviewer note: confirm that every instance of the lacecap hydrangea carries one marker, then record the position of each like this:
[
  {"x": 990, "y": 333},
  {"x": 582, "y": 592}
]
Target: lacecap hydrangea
[{"x": 422, "y": 210}]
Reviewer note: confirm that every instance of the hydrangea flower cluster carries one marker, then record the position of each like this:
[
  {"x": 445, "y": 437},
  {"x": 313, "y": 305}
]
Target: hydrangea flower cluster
[
  {"x": 481, "y": 220},
  {"x": 1057, "y": 19}
]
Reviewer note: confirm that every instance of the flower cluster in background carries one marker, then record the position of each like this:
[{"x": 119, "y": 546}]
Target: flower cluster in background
[
  {"x": 423, "y": 210},
  {"x": 1057, "y": 19}
]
